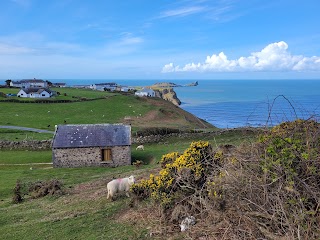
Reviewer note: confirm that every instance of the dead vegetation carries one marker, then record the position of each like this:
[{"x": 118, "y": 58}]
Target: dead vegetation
[
  {"x": 266, "y": 190},
  {"x": 37, "y": 189}
]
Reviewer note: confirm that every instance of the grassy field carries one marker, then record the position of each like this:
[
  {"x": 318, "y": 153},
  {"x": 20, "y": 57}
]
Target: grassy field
[
  {"x": 65, "y": 93},
  {"x": 19, "y": 135},
  {"x": 113, "y": 108},
  {"x": 83, "y": 212}
]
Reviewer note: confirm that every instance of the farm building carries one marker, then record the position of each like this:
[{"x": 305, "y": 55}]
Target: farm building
[
  {"x": 145, "y": 92},
  {"x": 104, "y": 86},
  {"x": 91, "y": 145},
  {"x": 35, "y": 93},
  {"x": 29, "y": 83}
]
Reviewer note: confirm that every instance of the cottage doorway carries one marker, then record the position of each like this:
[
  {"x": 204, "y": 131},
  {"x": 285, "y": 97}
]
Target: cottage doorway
[{"x": 106, "y": 154}]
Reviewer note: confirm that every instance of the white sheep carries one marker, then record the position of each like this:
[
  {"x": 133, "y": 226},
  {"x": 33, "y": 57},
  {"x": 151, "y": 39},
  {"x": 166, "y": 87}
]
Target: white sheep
[
  {"x": 140, "y": 147},
  {"x": 120, "y": 185}
]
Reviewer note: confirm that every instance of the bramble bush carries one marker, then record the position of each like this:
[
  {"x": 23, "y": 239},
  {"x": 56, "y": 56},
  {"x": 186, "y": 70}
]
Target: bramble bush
[
  {"x": 269, "y": 189},
  {"x": 290, "y": 163}
]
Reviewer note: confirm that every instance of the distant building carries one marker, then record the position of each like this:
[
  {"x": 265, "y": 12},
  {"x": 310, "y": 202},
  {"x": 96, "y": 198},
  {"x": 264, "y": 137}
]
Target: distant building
[
  {"x": 145, "y": 92},
  {"x": 125, "y": 88},
  {"x": 91, "y": 145},
  {"x": 60, "y": 85},
  {"x": 104, "y": 86},
  {"x": 35, "y": 93},
  {"x": 29, "y": 83}
]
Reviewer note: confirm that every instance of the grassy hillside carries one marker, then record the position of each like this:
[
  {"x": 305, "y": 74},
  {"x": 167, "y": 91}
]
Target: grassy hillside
[
  {"x": 83, "y": 212},
  {"x": 113, "y": 108}
]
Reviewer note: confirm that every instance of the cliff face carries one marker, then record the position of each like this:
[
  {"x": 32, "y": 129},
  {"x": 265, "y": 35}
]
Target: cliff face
[{"x": 168, "y": 94}]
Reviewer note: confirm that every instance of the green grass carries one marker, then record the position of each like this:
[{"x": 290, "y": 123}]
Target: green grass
[
  {"x": 19, "y": 135},
  {"x": 70, "y": 92},
  {"x": 38, "y": 115},
  {"x": 86, "y": 214}
]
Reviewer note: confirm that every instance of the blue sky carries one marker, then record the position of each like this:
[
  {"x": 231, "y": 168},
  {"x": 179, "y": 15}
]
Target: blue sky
[{"x": 160, "y": 39}]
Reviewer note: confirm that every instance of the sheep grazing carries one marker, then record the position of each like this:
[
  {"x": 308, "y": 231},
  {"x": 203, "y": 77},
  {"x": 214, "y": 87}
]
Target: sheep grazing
[
  {"x": 140, "y": 147},
  {"x": 120, "y": 185}
]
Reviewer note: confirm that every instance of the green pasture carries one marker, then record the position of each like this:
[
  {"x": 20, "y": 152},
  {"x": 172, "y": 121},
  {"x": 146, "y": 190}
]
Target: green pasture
[
  {"x": 19, "y": 135},
  {"x": 46, "y": 116},
  {"x": 65, "y": 93},
  {"x": 85, "y": 214}
]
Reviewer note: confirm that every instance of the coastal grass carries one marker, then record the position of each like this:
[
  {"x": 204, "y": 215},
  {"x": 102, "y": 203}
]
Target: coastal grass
[
  {"x": 83, "y": 212},
  {"x": 65, "y": 93},
  {"x": 20, "y": 135},
  {"x": 46, "y": 116}
]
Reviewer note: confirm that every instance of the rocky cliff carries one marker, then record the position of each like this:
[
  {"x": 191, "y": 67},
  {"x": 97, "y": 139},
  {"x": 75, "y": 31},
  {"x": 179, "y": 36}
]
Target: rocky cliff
[{"x": 168, "y": 94}]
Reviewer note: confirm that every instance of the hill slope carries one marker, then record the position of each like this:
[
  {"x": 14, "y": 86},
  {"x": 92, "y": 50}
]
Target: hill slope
[{"x": 113, "y": 108}]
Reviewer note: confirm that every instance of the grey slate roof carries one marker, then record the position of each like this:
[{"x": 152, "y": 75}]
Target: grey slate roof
[
  {"x": 92, "y": 135},
  {"x": 36, "y": 90}
]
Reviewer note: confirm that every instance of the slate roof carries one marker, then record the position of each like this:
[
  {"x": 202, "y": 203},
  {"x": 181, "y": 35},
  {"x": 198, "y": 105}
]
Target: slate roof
[
  {"x": 92, "y": 135},
  {"x": 29, "y": 81},
  {"x": 36, "y": 90},
  {"x": 108, "y": 84}
]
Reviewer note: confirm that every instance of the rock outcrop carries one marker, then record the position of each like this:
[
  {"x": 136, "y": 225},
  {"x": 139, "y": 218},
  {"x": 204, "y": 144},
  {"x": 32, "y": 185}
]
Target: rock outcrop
[{"x": 168, "y": 94}]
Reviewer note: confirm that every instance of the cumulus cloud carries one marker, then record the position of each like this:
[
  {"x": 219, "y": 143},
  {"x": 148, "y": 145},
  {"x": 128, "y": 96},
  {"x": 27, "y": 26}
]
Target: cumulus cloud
[{"x": 274, "y": 57}]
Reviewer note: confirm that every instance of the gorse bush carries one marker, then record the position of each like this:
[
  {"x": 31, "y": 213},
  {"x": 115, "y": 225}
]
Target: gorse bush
[
  {"x": 268, "y": 189},
  {"x": 291, "y": 172},
  {"x": 181, "y": 175},
  {"x": 291, "y": 150}
]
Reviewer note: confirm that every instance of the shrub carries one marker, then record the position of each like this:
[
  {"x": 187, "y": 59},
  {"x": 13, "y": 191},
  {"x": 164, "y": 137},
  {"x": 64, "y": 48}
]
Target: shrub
[
  {"x": 157, "y": 131},
  {"x": 180, "y": 176},
  {"x": 264, "y": 190},
  {"x": 291, "y": 173},
  {"x": 17, "y": 193},
  {"x": 43, "y": 188}
]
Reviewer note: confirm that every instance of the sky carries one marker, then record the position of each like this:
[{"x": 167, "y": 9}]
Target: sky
[{"x": 160, "y": 39}]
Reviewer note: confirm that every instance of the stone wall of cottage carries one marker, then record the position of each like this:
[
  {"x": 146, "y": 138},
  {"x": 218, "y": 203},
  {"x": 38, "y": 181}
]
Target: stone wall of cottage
[{"x": 81, "y": 157}]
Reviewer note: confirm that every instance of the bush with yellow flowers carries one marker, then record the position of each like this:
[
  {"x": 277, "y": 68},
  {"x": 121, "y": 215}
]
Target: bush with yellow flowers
[{"x": 181, "y": 175}]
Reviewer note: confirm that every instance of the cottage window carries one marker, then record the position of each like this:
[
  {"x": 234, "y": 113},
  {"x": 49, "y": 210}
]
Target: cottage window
[{"x": 106, "y": 154}]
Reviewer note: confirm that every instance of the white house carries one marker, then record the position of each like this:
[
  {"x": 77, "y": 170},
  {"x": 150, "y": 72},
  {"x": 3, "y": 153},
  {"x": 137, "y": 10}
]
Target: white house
[
  {"x": 145, "y": 92},
  {"x": 104, "y": 86},
  {"x": 125, "y": 88},
  {"x": 29, "y": 83},
  {"x": 35, "y": 93}
]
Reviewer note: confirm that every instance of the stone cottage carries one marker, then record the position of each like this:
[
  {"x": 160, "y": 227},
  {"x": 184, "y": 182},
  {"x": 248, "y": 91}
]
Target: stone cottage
[{"x": 91, "y": 145}]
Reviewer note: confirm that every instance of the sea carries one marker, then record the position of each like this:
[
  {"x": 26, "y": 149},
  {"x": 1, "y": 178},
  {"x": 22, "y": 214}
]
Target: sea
[{"x": 239, "y": 103}]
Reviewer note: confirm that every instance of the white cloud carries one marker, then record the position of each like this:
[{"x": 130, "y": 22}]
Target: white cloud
[
  {"x": 180, "y": 12},
  {"x": 7, "y": 49},
  {"x": 274, "y": 57}
]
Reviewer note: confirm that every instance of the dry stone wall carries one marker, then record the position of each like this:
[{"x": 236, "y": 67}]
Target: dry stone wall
[
  {"x": 30, "y": 145},
  {"x": 46, "y": 144}
]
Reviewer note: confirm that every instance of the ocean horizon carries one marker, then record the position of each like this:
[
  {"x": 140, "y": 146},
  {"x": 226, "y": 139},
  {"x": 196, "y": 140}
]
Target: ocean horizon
[
  {"x": 243, "y": 103},
  {"x": 238, "y": 103}
]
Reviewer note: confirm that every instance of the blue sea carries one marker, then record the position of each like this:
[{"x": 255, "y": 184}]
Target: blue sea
[{"x": 239, "y": 103}]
